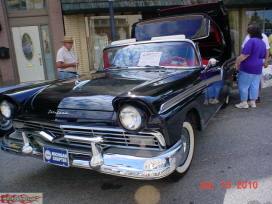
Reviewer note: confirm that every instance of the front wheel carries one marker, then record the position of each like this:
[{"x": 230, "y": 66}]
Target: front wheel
[
  {"x": 187, "y": 138},
  {"x": 5, "y": 126}
]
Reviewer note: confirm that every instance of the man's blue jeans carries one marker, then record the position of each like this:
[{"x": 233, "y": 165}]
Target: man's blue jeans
[{"x": 63, "y": 75}]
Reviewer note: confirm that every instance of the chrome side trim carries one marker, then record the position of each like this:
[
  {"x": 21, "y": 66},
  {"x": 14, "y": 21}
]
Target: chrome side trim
[
  {"x": 174, "y": 101},
  {"x": 169, "y": 104}
]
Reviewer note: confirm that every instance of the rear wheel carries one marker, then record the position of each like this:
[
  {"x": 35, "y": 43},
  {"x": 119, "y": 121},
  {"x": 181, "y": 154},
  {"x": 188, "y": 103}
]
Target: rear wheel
[{"x": 187, "y": 138}]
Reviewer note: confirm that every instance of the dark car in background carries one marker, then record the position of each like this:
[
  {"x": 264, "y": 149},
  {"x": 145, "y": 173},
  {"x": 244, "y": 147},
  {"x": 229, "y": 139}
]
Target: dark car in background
[{"x": 134, "y": 118}]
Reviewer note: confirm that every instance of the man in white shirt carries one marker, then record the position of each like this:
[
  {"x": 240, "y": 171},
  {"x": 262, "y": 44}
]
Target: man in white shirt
[
  {"x": 66, "y": 60},
  {"x": 265, "y": 39}
]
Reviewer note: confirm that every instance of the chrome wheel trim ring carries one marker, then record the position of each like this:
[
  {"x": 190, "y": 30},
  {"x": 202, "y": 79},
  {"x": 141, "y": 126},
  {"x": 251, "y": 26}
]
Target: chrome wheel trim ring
[{"x": 188, "y": 134}]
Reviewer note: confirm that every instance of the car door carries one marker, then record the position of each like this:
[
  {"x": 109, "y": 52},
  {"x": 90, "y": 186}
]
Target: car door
[{"x": 217, "y": 90}]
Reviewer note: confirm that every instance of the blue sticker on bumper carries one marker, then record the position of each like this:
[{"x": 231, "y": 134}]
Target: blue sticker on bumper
[{"x": 56, "y": 156}]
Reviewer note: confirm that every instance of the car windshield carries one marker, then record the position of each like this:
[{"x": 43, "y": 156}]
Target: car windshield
[{"x": 166, "y": 54}]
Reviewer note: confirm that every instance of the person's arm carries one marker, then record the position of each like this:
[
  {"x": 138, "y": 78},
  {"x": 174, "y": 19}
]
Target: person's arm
[
  {"x": 266, "y": 58},
  {"x": 265, "y": 39},
  {"x": 63, "y": 65},
  {"x": 239, "y": 59}
]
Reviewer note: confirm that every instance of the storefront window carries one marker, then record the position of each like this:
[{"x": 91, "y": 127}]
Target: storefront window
[
  {"x": 263, "y": 17},
  {"x": 268, "y": 22},
  {"x": 239, "y": 29},
  {"x": 25, "y": 4},
  {"x": 99, "y": 34}
]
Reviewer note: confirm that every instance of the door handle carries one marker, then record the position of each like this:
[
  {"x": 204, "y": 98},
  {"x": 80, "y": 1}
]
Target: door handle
[{"x": 40, "y": 58}]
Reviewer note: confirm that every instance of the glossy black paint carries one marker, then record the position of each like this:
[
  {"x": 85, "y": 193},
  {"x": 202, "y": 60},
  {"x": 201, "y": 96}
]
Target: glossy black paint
[{"x": 100, "y": 98}]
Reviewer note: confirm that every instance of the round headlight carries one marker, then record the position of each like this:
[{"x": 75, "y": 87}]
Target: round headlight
[
  {"x": 130, "y": 118},
  {"x": 5, "y": 109}
]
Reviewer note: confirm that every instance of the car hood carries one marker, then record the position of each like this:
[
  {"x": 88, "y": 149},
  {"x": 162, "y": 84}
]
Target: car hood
[{"x": 92, "y": 98}]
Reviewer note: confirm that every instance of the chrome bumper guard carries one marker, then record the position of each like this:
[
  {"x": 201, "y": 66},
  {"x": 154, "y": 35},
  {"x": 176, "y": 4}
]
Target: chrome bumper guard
[{"x": 132, "y": 166}]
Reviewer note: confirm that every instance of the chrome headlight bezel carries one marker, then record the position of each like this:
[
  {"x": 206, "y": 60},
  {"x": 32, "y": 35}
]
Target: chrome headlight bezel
[
  {"x": 6, "y": 109},
  {"x": 131, "y": 118}
]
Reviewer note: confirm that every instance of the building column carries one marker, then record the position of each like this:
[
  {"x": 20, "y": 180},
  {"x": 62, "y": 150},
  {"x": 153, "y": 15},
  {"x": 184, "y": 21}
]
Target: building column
[
  {"x": 7, "y": 73},
  {"x": 56, "y": 26}
]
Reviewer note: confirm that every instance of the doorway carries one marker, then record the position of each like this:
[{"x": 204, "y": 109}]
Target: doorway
[{"x": 28, "y": 53}]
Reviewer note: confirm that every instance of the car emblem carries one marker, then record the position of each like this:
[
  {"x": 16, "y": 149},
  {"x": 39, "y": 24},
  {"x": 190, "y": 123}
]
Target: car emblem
[{"x": 58, "y": 112}]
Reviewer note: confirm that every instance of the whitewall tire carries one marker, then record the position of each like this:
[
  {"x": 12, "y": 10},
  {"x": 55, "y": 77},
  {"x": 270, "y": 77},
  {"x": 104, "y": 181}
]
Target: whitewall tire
[{"x": 187, "y": 138}]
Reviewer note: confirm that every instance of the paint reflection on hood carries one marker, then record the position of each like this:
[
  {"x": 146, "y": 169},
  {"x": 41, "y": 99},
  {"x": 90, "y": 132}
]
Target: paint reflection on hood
[{"x": 98, "y": 102}]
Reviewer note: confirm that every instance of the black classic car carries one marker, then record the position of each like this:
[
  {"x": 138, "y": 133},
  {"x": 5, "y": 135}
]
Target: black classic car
[{"x": 137, "y": 116}]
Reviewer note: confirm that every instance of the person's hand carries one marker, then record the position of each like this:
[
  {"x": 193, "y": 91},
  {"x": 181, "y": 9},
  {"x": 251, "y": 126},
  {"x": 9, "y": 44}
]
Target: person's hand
[
  {"x": 75, "y": 64},
  {"x": 265, "y": 64},
  {"x": 236, "y": 66}
]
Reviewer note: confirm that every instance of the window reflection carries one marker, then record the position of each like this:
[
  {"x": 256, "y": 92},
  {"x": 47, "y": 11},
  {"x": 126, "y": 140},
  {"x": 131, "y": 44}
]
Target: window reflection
[
  {"x": 98, "y": 34},
  {"x": 268, "y": 22},
  {"x": 174, "y": 54},
  {"x": 263, "y": 17},
  {"x": 27, "y": 46},
  {"x": 239, "y": 32},
  {"x": 25, "y": 4}
]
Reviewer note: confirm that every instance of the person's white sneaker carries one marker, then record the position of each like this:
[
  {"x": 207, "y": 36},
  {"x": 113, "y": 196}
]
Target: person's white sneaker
[
  {"x": 252, "y": 104},
  {"x": 214, "y": 101},
  {"x": 242, "y": 105}
]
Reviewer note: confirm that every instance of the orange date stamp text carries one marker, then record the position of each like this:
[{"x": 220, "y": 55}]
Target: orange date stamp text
[{"x": 228, "y": 185}]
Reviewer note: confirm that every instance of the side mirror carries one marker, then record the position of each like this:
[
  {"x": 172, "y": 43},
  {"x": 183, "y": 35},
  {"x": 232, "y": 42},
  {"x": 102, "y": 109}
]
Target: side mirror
[{"x": 212, "y": 62}]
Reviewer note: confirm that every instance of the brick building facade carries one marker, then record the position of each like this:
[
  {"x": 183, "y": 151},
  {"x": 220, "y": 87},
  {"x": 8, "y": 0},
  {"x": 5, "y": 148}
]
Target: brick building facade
[
  {"x": 7, "y": 75},
  {"x": 46, "y": 18}
]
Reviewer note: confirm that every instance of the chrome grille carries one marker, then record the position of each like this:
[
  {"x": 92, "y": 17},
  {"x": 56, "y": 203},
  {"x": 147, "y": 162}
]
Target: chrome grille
[{"x": 113, "y": 137}]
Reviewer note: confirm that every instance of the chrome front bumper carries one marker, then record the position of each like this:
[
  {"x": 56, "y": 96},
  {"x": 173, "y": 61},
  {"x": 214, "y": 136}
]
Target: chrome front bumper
[{"x": 141, "y": 165}]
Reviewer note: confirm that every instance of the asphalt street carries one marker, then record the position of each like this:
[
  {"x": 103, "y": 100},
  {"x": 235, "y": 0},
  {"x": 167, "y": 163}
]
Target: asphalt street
[{"x": 232, "y": 165}]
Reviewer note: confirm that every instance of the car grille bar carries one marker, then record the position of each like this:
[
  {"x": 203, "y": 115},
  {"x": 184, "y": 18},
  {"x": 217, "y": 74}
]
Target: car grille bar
[{"x": 77, "y": 136}]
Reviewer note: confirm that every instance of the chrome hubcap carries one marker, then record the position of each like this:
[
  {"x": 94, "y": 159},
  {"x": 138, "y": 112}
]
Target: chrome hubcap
[{"x": 185, "y": 139}]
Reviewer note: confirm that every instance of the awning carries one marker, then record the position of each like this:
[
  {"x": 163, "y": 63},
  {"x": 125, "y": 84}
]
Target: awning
[{"x": 95, "y": 6}]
